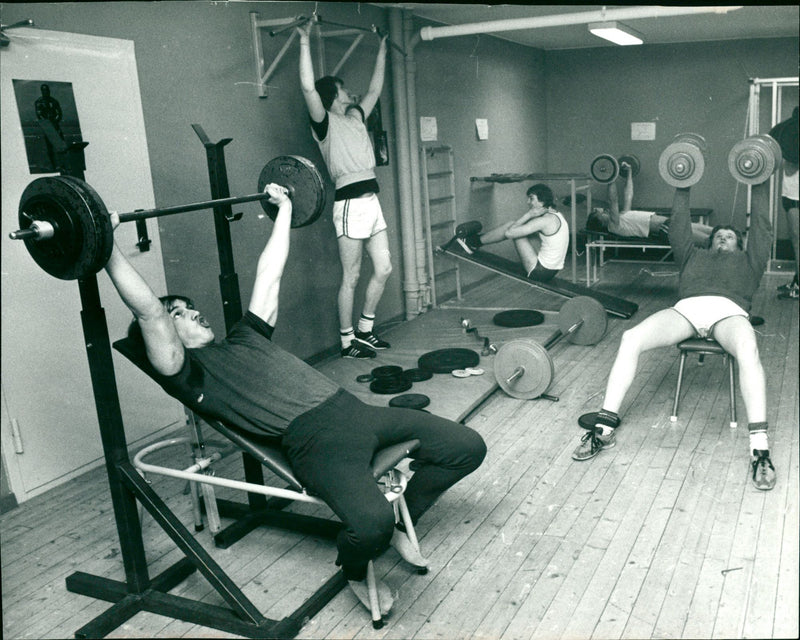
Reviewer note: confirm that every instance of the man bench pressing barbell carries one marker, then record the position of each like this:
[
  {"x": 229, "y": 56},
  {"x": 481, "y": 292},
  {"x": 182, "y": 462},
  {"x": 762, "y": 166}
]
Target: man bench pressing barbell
[{"x": 328, "y": 435}]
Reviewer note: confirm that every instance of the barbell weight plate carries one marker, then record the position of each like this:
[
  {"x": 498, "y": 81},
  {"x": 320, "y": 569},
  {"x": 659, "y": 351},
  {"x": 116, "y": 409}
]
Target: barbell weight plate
[
  {"x": 445, "y": 360},
  {"x": 633, "y": 161},
  {"x": 389, "y": 386},
  {"x": 83, "y": 238},
  {"x": 417, "y": 375},
  {"x": 537, "y": 365},
  {"x": 692, "y": 138},
  {"x": 588, "y": 310},
  {"x": 754, "y": 159},
  {"x": 305, "y": 185},
  {"x": 682, "y": 163},
  {"x": 518, "y": 318},
  {"x": 388, "y": 372},
  {"x": 410, "y": 401},
  {"x": 604, "y": 168}
]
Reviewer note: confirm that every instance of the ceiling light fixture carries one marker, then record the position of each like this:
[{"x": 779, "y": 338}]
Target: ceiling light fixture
[{"x": 616, "y": 32}]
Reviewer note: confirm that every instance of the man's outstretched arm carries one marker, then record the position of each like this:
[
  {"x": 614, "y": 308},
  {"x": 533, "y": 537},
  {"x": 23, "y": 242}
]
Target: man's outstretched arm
[
  {"x": 271, "y": 262},
  {"x": 310, "y": 95},
  {"x": 164, "y": 347},
  {"x": 367, "y": 104}
]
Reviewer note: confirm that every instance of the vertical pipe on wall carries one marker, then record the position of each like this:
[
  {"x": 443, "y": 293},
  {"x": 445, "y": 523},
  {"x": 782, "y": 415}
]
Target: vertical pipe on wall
[
  {"x": 413, "y": 146},
  {"x": 410, "y": 282}
]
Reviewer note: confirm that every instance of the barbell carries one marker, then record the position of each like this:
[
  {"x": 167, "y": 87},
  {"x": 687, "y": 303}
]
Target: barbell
[
  {"x": 605, "y": 168},
  {"x": 524, "y": 368},
  {"x": 67, "y": 230}
]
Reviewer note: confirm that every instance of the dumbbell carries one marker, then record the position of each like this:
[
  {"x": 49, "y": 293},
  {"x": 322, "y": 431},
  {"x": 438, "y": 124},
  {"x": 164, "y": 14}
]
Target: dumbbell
[
  {"x": 754, "y": 159},
  {"x": 683, "y": 161},
  {"x": 605, "y": 168}
]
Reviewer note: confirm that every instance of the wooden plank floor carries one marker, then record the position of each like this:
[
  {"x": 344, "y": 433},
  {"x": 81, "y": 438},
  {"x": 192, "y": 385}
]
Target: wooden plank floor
[{"x": 662, "y": 536}]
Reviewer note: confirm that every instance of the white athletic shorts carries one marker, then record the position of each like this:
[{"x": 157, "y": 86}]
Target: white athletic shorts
[
  {"x": 358, "y": 218},
  {"x": 703, "y": 312}
]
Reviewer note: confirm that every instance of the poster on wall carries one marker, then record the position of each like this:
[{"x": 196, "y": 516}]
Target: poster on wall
[{"x": 50, "y": 124}]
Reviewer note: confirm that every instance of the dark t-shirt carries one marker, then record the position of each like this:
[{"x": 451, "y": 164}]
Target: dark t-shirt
[{"x": 248, "y": 382}]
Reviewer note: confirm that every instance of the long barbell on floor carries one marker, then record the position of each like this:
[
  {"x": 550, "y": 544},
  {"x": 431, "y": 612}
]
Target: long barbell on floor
[
  {"x": 67, "y": 230},
  {"x": 524, "y": 368},
  {"x": 683, "y": 161}
]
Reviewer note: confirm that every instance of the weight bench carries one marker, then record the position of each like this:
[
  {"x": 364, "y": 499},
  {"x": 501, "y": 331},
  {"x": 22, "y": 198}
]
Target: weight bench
[
  {"x": 267, "y": 452},
  {"x": 598, "y": 241},
  {"x": 612, "y": 304}
]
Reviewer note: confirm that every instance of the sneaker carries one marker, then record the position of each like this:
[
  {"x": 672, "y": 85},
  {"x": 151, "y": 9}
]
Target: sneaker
[
  {"x": 470, "y": 244},
  {"x": 592, "y": 443},
  {"x": 357, "y": 350},
  {"x": 763, "y": 472},
  {"x": 369, "y": 339},
  {"x": 792, "y": 293},
  {"x": 786, "y": 288}
]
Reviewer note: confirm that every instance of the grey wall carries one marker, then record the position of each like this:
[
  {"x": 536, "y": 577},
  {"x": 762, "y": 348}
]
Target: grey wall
[
  {"x": 546, "y": 111},
  {"x": 593, "y": 95},
  {"x": 196, "y": 65}
]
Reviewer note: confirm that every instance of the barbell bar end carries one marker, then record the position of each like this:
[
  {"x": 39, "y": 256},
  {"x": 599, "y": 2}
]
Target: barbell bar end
[{"x": 518, "y": 372}]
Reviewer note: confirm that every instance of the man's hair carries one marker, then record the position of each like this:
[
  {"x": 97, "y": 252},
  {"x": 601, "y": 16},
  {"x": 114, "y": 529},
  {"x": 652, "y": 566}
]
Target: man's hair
[
  {"x": 135, "y": 331},
  {"x": 720, "y": 227},
  {"x": 327, "y": 87},
  {"x": 543, "y": 193},
  {"x": 594, "y": 222}
]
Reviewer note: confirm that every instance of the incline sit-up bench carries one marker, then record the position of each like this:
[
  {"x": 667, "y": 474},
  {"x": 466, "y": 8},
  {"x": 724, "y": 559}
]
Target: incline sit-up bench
[{"x": 612, "y": 304}]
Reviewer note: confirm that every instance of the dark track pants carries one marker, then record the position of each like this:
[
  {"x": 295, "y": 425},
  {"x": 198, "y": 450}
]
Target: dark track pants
[{"x": 330, "y": 449}]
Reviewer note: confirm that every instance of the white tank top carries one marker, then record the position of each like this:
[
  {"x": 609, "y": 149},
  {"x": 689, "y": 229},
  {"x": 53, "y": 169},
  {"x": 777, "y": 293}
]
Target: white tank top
[{"x": 554, "y": 247}]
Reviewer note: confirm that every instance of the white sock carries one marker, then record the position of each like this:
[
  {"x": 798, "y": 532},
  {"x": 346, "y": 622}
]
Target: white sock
[
  {"x": 365, "y": 323},
  {"x": 758, "y": 436},
  {"x": 346, "y": 336}
]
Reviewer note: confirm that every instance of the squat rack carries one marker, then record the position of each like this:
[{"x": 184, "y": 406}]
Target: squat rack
[{"x": 139, "y": 591}]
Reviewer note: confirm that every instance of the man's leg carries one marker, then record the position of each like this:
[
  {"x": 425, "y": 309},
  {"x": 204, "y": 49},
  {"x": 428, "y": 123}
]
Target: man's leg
[
  {"x": 378, "y": 250},
  {"x": 350, "y": 251},
  {"x": 737, "y": 337},
  {"x": 528, "y": 253},
  {"x": 498, "y": 234},
  {"x": 662, "y": 329}
]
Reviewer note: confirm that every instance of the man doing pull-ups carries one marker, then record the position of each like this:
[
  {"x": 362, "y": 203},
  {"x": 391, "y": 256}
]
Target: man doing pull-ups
[{"x": 338, "y": 126}]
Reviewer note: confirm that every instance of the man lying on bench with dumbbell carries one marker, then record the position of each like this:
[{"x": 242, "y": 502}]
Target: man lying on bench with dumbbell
[
  {"x": 633, "y": 223},
  {"x": 715, "y": 291},
  {"x": 328, "y": 435}
]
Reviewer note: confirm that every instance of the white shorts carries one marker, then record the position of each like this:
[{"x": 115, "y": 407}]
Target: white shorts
[
  {"x": 358, "y": 218},
  {"x": 703, "y": 312}
]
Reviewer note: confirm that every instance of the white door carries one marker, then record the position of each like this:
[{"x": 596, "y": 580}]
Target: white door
[{"x": 50, "y": 431}]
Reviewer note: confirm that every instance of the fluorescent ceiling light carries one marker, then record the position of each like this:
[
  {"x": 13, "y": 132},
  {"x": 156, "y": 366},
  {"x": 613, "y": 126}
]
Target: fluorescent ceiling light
[{"x": 616, "y": 32}]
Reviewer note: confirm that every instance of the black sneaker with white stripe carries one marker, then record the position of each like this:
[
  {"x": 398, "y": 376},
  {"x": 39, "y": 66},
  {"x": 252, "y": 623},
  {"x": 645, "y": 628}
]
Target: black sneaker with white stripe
[
  {"x": 358, "y": 351},
  {"x": 369, "y": 339}
]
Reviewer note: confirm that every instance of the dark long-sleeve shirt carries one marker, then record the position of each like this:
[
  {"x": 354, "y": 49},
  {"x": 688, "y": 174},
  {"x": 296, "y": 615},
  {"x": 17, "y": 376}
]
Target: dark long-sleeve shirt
[{"x": 704, "y": 272}]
